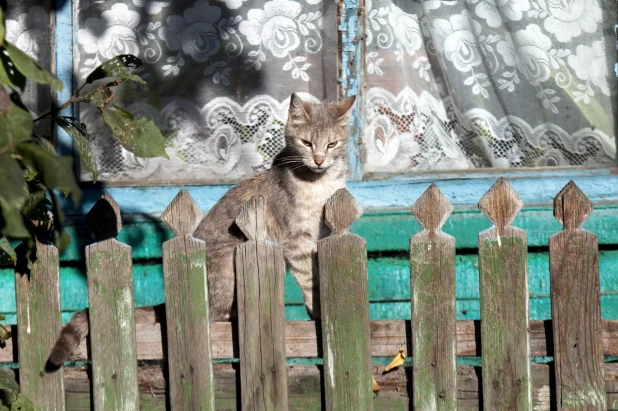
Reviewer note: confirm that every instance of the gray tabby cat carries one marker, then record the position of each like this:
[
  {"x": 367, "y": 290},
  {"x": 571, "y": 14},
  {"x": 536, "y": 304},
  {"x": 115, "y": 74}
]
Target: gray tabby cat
[{"x": 307, "y": 172}]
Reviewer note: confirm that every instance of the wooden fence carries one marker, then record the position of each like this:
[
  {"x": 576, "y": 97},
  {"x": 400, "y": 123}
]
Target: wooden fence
[{"x": 126, "y": 354}]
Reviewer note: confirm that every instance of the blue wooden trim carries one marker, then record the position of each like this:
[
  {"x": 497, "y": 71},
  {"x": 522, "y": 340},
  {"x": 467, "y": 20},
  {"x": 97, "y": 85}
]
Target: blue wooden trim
[
  {"x": 351, "y": 78},
  {"x": 462, "y": 190},
  {"x": 64, "y": 68}
]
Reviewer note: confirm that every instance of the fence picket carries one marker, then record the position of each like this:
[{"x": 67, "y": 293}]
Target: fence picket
[
  {"x": 344, "y": 300},
  {"x": 432, "y": 281},
  {"x": 261, "y": 313},
  {"x": 576, "y": 306},
  {"x": 39, "y": 322},
  {"x": 112, "y": 320},
  {"x": 191, "y": 383},
  {"x": 503, "y": 269}
]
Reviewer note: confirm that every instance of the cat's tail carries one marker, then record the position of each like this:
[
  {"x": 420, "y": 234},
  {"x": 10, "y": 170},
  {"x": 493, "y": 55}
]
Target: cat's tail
[{"x": 70, "y": 338}]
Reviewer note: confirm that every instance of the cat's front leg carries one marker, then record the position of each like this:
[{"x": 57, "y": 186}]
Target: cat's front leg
[{"x": 303, "y": 263}]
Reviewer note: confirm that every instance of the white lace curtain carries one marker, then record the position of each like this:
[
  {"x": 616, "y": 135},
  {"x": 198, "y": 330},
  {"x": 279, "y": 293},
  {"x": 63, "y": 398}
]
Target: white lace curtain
[
  {"x": 219, "y": 74},
  {"x": 449, "y": 84},
  {"x": 489, "y": 83}
]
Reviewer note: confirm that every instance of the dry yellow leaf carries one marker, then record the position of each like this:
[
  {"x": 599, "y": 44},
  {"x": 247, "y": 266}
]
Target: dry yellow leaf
[
  {"x": 399, "y": 359},
  {"x": 376, "y": 387}
]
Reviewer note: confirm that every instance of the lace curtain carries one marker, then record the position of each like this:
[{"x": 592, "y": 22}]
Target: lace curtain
[
  {"x": 489, "y": 83},
  {"x": 449, "y": 84},
  {"x": 219, "y": 74}
]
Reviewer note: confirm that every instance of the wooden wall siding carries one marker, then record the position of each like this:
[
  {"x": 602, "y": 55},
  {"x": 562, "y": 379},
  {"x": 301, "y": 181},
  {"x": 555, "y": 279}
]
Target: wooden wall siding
[
  {"x": 574, "y": 267},
  {"x": 38, "y": 309},
  {"x": 344, "y": 301},
  {"x": 261, "y": 320},
  {"x": 304, "y": 388},
  {"x": 389, "y": 287},
  {"x": 186, "y": 309},
  {"x": 111, "y": 314},
  {"x": 432, "y": 277}
]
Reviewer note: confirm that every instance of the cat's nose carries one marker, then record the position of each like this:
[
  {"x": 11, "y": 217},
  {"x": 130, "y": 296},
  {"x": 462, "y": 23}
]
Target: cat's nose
[{"x": 318, "y": 161}]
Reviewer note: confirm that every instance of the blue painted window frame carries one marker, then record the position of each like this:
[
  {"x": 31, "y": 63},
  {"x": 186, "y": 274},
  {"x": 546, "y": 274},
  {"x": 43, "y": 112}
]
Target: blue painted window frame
[{"x": 463, "y": 189}]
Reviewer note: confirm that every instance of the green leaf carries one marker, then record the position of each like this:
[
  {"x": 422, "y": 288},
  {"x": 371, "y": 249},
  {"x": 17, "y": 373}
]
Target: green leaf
[
  {"x": 5, "y": 334},
  {"x": 11, "y": 222},
  {"x": 8, "y": 74},
  {"x": 141, "y": 137},
  {"x": 7, "y": 257},
  {"x": 22, "y": 404},
  {"x": 8, "y": 387},
  {"x": 36, "y": 206},
  {"x": 45, "y": 144},
  {"x": 2, "y": 27},
  {"x": 118, "y": 67},
  {"x": 30, "y": 68},
  {"x": 15, "y": 126},
  {"x": 5, "y": 102},
  {"x": 54, "y": 171},
  {"x": 81, "y": 142},
  {"x": 62, "y": 239},
  {"x": 12, "y": 184},
  {"x": 98, "y": 97}
]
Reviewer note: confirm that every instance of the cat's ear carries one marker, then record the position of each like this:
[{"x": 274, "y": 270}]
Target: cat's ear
[
  {"x": 343, "y": 109},
  {"x": 297, "y": 114}
]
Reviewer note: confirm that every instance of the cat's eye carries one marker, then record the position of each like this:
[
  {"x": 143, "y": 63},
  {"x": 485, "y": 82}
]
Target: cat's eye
[
  {"x": 307, "y": 143},
  {"x": 333, "y": 144}
]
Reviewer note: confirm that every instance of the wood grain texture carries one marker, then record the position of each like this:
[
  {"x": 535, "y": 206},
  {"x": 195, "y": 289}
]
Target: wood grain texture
[
  {"x": 304, "y": 388},
  {"x": 576, "y": 306},
  {"x": 503, "y": 275},
  {"x": 112, "y": 321},
  {"x": 344, "y": 299},
  {"x": 260, "y": 268},
  {"x": 432, "y": 285},
  {"x": 39, "y": 318},
  {"x": 186, "y": 305},
  {"x": 302, "y": 340}
]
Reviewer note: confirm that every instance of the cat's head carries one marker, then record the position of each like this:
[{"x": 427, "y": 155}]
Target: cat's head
[{"x": 318, "y": 133}]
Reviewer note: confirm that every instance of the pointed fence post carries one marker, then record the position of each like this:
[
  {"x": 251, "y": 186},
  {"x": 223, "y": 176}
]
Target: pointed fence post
[
  {"x": 189, "y": 355},
  {"x": 432, "y": 280},
  {"x": 344, "y": 301},
  {"x": 111, "y": 313},
  {"x": 503, "y": 269},
  {"x": 260, "y": 268},
  {"x": 576, "y": 306},
  {"x": 39, "y": 321}
]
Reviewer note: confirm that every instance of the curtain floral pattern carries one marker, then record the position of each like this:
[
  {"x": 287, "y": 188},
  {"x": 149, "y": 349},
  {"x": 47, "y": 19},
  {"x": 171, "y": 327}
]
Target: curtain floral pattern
[
  {"x": 489, "y": 83},
  {"x": 219, "y": 73}
]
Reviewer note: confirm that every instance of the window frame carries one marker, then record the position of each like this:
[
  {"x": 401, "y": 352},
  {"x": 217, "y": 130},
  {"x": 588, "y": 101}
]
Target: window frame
[{"x": 536, "y": 187}]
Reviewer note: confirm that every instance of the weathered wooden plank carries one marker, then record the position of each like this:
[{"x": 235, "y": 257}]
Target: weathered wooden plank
[
  {"x": 344, "y": 301},
  {"x": 301, "y": 341},
  {"x": 186, "y": 305},
  {"x": 503, "y": 277},
  {"x": 112, "y": 321},
  {"x": 304, "y": 388},
  {"x": 576, "y": 305},
  {"x": 261, "y": 317},
  {"x": 39, "y": 318},
  {"x": 432, "y": 285}
]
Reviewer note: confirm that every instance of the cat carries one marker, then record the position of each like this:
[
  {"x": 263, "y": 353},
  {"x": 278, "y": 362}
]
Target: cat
[{"x": 304, "y": 175}]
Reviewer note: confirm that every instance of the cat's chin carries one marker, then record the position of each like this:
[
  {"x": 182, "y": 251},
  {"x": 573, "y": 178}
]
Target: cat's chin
[{"x": 319, "y": 170}]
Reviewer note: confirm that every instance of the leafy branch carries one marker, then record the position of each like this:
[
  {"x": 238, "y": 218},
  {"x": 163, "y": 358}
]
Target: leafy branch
[{"x": 31, "y": 171}]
